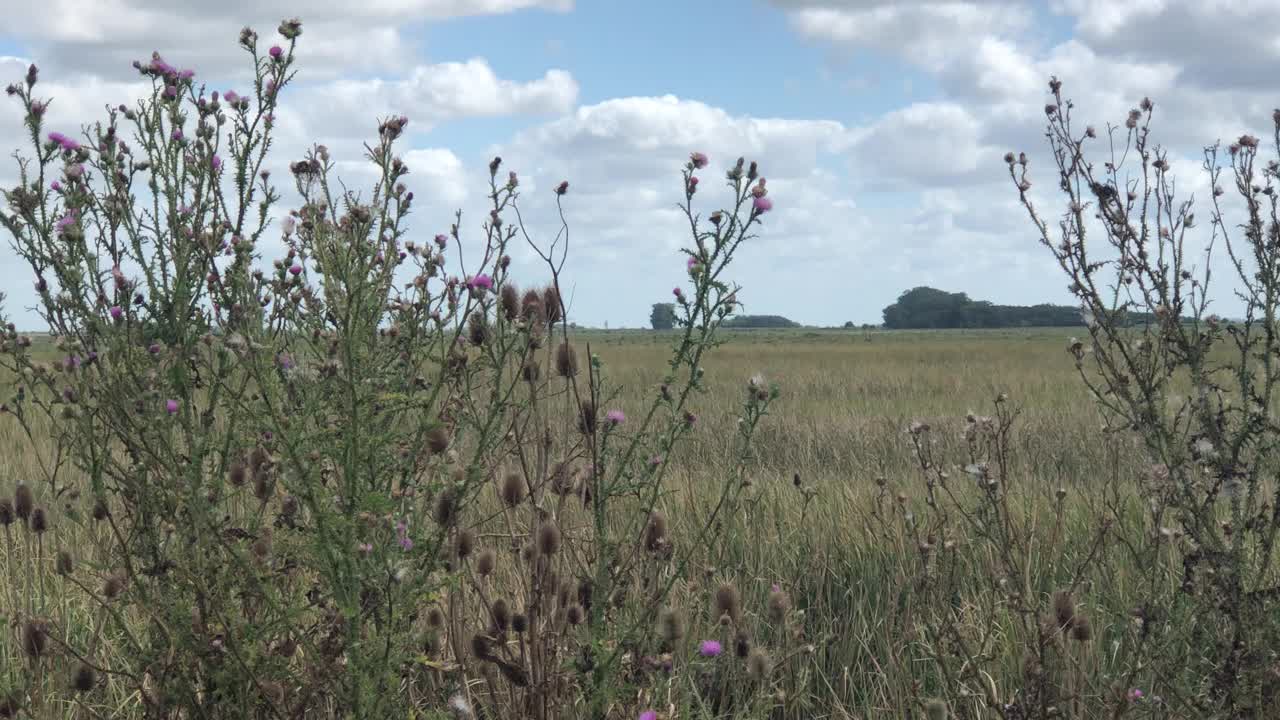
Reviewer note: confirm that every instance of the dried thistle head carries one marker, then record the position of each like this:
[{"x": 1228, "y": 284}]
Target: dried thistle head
[
  {"x": 520, "y": 622},
  {"x": 512, "y": 489},
  {"x": 100, "y": 510},
  {"x": 501, "y": 614},
  {"x": 446, "y": 508},
  {"x": 466, "y": 543},
  {"x": 587, "y": 417},
  {"x": 113, "y": 586},
  {"x": 435, "y": 618},
  {"x": 34, "y": 639},
  {"x": 478, "y": 328},
  {"x": 238, "y": 472},
  {"x": 1064, "y": 609},
  {"x": 574, "y": 615},
  {"x": 566, "y": 360},
  {"x": 655, "y": 534},
  {"x": 64, "y": 563},
  {"x": 758, "y": 665},
  {"x": 548, "y": 539},
  {"x": 742, "y": 644},
  {"x": 530, "y": 371},
  {"x": 1082, "y": 629},
  {"x": 671, "y": 625},
  {"x": 728, "y": 602},
  {"x": 779, "y": 605},
  {"x": 486, "y": 561},
  {"x": 84, "y": 679},
  {"x": 438, "y": 439},
  {"x": 509, "y": 301},
  {"x": 23, "y": 502},
  {"x": 39, "y": 521},
  {"x": 552, "y": 304}
]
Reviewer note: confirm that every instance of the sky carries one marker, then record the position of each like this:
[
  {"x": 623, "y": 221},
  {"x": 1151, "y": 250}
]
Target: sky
[{"x": 880, "y": 124}]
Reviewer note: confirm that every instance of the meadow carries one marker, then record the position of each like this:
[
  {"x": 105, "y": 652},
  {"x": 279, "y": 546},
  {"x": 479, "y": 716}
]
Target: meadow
[{"x": 833, "y": 472}]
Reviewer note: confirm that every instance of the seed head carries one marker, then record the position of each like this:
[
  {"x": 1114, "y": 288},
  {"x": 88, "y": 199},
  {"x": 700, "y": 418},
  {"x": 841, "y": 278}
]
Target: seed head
[
  {"x": 237, "y": 473},
  {"x": 574, "y": 615},
  {"x": 587, "y": 418},
  {"x": 728, "y": 602},
  {"x": 438, "y": 439},
  {"x": 779, "y": 605},
  {"x": 656, "y": 531},
  {"x": 1082, "y": 630},
  {"x": 466, "y": 543},
  {"x": 566, "y": 360},
  {"x": 23, "y": 502},
  {"x": 84, "y": 679},
  {"x": 509, "y": 301},
  {"x": 64, "y": 563},
  {"x": 512, "y": 489},
  {"x": 548, "y": 539},
  {"x": 501, "y": 614},
  {"x": 435, "y": 618},
  {"x": 446, "y": 509},
  {"x": 113, "y": 586},
  {"x": 481, "y": 646},
  {"x": 530, "y": 371},
  {"x": 551, "y": 301},
  {"x": 100, "y": 510},
  {"x": 935, "y": 710},
  {"x": 671, "y": 625},
  {"x": 519, "y": 622},
  {"x": 34, "y": 639},
  {"x": 758, "y": 665},
  {"x": 6, "y": 512},
  {"x": 742, "y": 644},
  {"x": 39, "y": 521},
  {"x": 485, "y": 562}
]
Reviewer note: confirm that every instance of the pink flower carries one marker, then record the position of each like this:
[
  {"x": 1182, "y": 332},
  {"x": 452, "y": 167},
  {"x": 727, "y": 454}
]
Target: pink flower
[
  {"x": 295, "y": 269},
  {"x": 563, "y": 187},
  {"x": 216, "y": 162},
  {"x": 116, "y": 312},
  {"x": 55, "y": 186},
  {"x": 710, "y": 648},
  {"x": 442, "y": 241},
  {"x": 678, "y": 293},
  {"x": 693, "y": 184},
  {"x": 62, "y": 140},
  {"x": 698, "y": 159},
  {"x": 648, "y": 715},
  {"x": 1135, "y": 695},
  {"x": 762, "y": 205},
  {"x": 276, "y": 51},
  {"x": 483, "y": 282},
  {"x": 171, "y": 406},
  {"x": 615, "y": 417}
]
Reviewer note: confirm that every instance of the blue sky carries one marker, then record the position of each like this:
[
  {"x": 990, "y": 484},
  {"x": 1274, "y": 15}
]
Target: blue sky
[{"x": 880, "y": 123}]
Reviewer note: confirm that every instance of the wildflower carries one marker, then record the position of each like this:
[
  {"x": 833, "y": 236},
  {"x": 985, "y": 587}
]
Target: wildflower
[
  {"x": 295, "y": 269},
  {"x": 216, "y": 163},
  {"x": 693, "y": 184},
  {"x": 762, "y": 205},
  {"x": 442, "y": 241},
  {"x": 710, "y": 648},
  {"x": 698, "y": 159},
  {"x": 402, "y": 536},
  {"x": 116, "y": 313},
  {"x": 276, "y": 51},
  {"x": 758, "y": 665},
  {"x": 364, "y": 548},
  {"x": 563, "y": 187},
  {"x": 548, "y": 539},
  {"x": 63, "y": 141},
  {"x": 171, "y": 406},
  {"x": 55, "y": 186},
  {"x": 1135, "y": 695},
  {"x": 615, "y": 417},
  {"x": 678, "y": 293},
  {"x": 728, "y": 602},
  {"x": 648, "y": 715},
  {"x": 176, "y": 135},
  {"x": 482, "y": 282}
]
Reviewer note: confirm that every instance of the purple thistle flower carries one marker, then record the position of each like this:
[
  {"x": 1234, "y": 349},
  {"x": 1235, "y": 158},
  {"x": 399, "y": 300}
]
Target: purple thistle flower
[
  {"x": 186, "y": 74},
  {"x": 678, "y": 293},
  {"x": 710, "y": 648},
  {"x": 170, "y": 92},
  {"x": 563, "y": 187},
  {"x": 442, "y": 241},
  {"x": 699, "y": 160},
  {"x": 364, "y": 548},
  {"x": 55, "y": 186},
  {"x": 176, "y": 135},
  {"x": 171, "y": 406},
  {"x": 762, "y": 204},
  {"x": 154, "y": 348},
  {"x": 481, "y": 281},
  {"x": 116, "y": 313},
  {"x": 1135, "y": 695},
  {"x": 615, "y": 417},
  {"x": 62, "y": 140},
  {"x": 216, "y": 162},
  {"x": 232, "y": 97},
  {"x": 276, "y": 51},
  {"x": 65, "y": 221},
  {"x": 648, "y": 715},
  {"x": 285, "y": 361},
  {"x": 295, "y": 269}
]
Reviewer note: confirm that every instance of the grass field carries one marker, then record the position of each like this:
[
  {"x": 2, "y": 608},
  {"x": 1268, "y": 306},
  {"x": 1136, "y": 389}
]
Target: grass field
[{"x": 834, "y": 479}]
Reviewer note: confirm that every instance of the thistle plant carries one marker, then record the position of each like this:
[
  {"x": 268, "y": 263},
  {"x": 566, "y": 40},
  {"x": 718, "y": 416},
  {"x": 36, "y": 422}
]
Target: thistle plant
[{"x": 365, "y": 479}]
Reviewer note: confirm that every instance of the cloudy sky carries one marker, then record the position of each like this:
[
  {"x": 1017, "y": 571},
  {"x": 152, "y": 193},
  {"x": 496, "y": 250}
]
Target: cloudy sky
[{"x": 880, "y": 124}]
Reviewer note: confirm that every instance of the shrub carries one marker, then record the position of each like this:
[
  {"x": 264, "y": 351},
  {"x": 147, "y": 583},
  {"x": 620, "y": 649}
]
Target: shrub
[{"x": 314, "y": 490}]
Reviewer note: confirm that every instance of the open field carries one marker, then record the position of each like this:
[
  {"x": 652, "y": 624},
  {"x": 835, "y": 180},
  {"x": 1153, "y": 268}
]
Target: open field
[{"x": 835, "y": 485}]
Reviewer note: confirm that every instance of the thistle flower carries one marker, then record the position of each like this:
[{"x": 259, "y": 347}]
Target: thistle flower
[
  {"x": 85, "y": 678},
  {"x": 779, "y": 605},
  {"x": 295, "y": 269},
  {"x": 1135, "y": 694},
  {"x": 512, "y": 489},
  {"x": 34, "y": 639},
  {"x": 116, "y": 313},
  {"x": 762, "y": 205},
  {"x": 23, "y": 502},
  {"x": 64, "y": 564},
  {"x": 566, "y": 360},
  {"x": 480, "y": 282},
  {"x": 39, "y": 521},
  {"x": 615, "y": 417},
  {"x": 699, "y": 160},
  {"x": 548, "y": 539},
  {"x": 466, "y": 543},
  {"x": 758, "y": 665},
  {"x": 486, "y": 562},
  {"x": 171, "y": 406},
  {"x": 710, "y": 648},
  {"x": 563, "y": 187},
  {"x": 216, "y": 163}
]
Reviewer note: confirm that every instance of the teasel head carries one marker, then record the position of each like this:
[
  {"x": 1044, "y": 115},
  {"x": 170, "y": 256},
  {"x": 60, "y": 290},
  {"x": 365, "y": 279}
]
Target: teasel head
[
  {"x": 532, "y": 310},
  {"x": 446, "y": 508},
  {"x": 566, "y": 360},
  {"x": 478, "y": 328},
  {"x": 779, "y": 605},
  {"x": 435, "y": 618},
  {"x": 587, "y": 417},
  {"x": 64, "y": 563},
  {"x": 742, "y": 644},
  {"x": 520, "y": 622},
  {"x": 655, "y": 533},
  {"x": 84, "y": 679},
  {"x": 238, "y": 472},
  {"x": 551, "y": 304},
  {"x": 1064, "y": 609},
  {"x": 113, "y": 586},
  {"x": 671, "y": 625},
  {"x": 530, "y": 371},
  {"x": 548, "y": 539},
  {"x": 23, "y": 503},
  {"x": 481, "y": 646},
  {"x": 39, "y": 520},
  {"x": 509, "y": 301},
  {"x": 35, "y": 641},
  {"x": 758, "y": 665},
  {"x": 6, "y": 512},
  {"x": 1082, "y": 629},
  {"x": 574, "y": 615},
  {"x": 437, "y": 439},
  {"x": 501, "y": 614},
  {"x": 466, "y": 543},
  {"x": 485, "y": 562},
  {"x": 563, "y": 478},
  {"x": 100, "y": 510},
  {"x": 512, "y": 489},
  {"x": 728, "y": 602}
]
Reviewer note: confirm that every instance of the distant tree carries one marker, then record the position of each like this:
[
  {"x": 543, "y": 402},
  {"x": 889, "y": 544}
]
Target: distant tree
[
  {"x": 663, "y": 316},
  {"x": 926, "y": 307},
  {"x": 849, "y": 325},
  {"x": 760, "y": 321}
]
